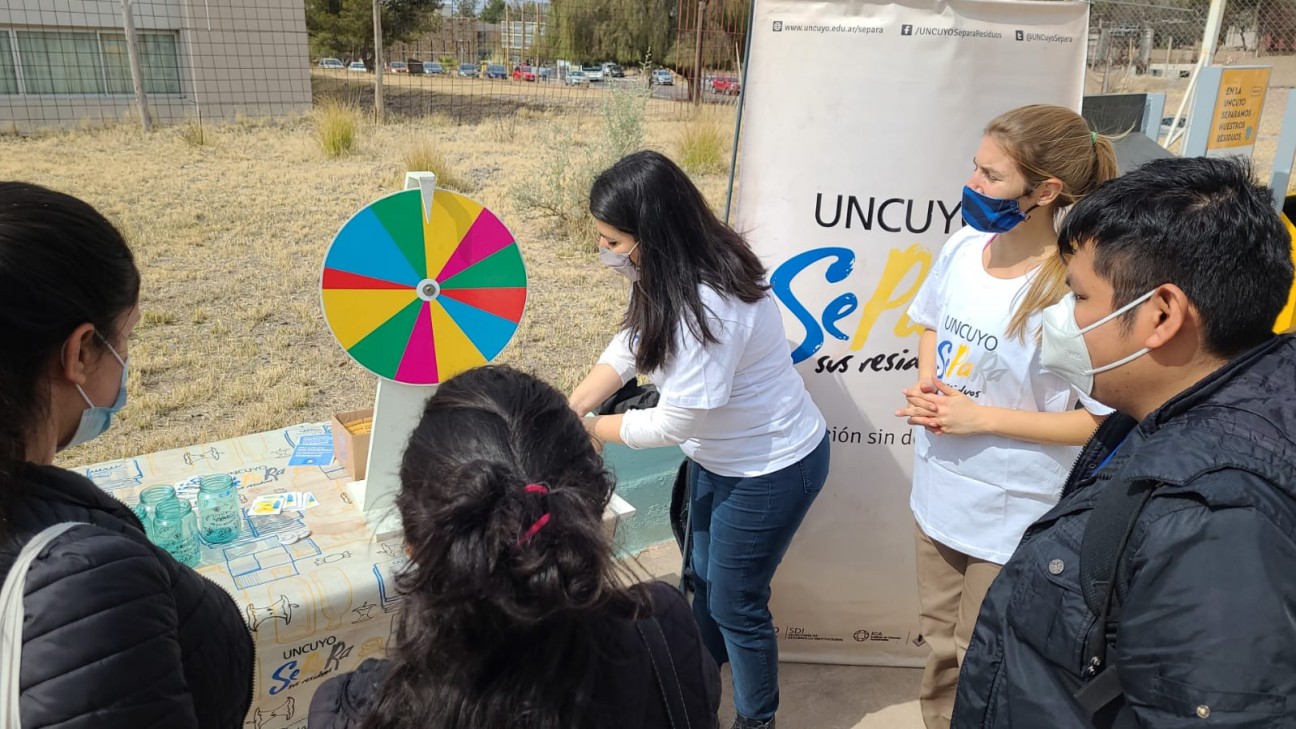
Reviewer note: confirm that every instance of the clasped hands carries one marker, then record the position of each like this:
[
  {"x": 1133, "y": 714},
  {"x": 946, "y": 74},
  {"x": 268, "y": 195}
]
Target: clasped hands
[{"x": 941, "y": 409}]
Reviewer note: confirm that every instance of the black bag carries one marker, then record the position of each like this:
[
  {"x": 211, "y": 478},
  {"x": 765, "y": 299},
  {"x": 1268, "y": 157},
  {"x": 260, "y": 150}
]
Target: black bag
[{"x": 634, "y": 396}]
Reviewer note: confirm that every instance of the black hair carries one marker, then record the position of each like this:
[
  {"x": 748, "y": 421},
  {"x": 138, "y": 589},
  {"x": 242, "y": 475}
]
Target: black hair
[
  {"x": 62, "y": 264},
  {"x": 502, "y": 497},
  {"x": 682, "y": 245},
  {"x": 1200, "y": 223}
]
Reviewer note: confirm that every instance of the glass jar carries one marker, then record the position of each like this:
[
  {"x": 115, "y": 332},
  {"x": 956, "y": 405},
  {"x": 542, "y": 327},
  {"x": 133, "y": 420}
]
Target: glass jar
[
  {"x": 218, "y": 509},
  {"x": 176, "y": 530},
  {"x": 149, "y": 499}
]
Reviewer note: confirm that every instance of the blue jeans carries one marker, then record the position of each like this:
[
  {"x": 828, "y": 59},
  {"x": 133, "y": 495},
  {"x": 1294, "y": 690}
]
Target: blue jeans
[{"x": 739, "y": 530}]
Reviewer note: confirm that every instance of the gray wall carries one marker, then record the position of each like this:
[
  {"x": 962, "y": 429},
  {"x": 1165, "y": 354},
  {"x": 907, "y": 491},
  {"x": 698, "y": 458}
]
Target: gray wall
[{"x": 236, "y": 57}]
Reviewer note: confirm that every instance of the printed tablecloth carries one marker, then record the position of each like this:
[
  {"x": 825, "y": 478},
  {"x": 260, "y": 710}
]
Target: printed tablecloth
[{"x": 317, "y": 606}]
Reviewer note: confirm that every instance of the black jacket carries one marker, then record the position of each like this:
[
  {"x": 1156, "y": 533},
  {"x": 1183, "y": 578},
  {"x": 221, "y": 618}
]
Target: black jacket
[
  {"x": 1207, "y": 589},
  {"x": 627, "y": 682},
  {"x": 118, "y": 635}
]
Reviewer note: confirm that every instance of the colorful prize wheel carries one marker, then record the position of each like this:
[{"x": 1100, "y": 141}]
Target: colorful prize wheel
[{"x": 419, "y": 302}]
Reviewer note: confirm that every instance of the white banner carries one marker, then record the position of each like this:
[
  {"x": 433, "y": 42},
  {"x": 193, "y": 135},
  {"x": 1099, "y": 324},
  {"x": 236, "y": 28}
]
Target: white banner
[{"x": 860, "y": 125}]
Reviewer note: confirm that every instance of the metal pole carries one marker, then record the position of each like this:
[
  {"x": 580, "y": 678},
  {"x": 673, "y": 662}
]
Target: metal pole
[
  {"x": 378, "y": 62},
  {"x": 745, "y": 64},
  {"x": 697, "y": 55},
  {"x": 137, "y": 77},
  {"x": 1210, "y": 38}
]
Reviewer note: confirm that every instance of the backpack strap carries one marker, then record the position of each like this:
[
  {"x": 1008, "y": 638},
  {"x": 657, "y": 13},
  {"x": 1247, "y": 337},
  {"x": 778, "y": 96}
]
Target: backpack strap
[
  {"x": 1102, "y": 551},
  {"x": 663, "y": 667},
  {"x": 12, "y": 618}
]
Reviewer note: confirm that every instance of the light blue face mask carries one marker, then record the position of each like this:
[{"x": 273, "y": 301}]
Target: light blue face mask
[{"x": 95, "y": 420}]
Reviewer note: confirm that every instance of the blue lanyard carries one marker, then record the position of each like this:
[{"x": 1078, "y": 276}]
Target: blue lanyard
[{"x": 1109, "y": 456}]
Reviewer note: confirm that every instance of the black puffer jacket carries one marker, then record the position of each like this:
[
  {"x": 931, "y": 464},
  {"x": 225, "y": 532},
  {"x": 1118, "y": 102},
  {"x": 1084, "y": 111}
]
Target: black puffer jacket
[
  {"x": 627, "y": 685},
  {"x": 118, "y": 635},
  {"x": 1207, "y": 629}
]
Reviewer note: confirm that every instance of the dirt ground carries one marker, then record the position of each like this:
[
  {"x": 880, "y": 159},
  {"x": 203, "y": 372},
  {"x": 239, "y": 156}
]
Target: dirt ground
[{"x": 231, "y": 234}]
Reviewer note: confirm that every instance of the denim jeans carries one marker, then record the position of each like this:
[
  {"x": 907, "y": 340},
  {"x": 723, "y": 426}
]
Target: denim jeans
[{"x": 740, "y": 527}]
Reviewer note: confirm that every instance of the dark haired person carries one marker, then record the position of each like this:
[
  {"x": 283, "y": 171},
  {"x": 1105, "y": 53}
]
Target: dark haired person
[
  {"x": 704, "y": 326},
  {"x": 513, "y": 615},
  {"x": 1160, "y": 592},
  {"x": 118, "y": 635}
]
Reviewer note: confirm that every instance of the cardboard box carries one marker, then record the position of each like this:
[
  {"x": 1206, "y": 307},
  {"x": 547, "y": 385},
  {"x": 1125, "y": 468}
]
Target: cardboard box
[{"x": 351, "y": 449}]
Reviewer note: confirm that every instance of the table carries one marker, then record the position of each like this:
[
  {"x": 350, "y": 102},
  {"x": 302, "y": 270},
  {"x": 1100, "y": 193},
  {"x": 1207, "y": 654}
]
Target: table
[{"x": 316, "y": 607}]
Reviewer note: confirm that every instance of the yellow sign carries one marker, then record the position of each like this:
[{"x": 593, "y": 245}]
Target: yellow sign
[{"x": 1235, "y": 124}]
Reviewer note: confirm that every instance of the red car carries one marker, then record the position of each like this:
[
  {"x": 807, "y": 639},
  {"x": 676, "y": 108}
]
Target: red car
[
  {"x": 727, "y": 85},
  {"x": 524, "y": 73}
]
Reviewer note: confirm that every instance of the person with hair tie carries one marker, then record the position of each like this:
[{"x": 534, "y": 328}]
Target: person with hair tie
[
  {"x": 996, "y": 430},
  {"x": 514, "y": 611}
]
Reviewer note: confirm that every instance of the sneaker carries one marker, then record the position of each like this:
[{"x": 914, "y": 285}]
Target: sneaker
[{"x": 742, "y": 722}]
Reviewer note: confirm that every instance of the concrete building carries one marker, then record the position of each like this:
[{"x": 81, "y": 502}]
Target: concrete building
[{"x": 64, "y": 62}]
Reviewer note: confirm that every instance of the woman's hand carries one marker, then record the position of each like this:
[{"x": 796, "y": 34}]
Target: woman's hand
[
  {"x": 946, "y": 411},
  {"x": 917, "y": 406}
]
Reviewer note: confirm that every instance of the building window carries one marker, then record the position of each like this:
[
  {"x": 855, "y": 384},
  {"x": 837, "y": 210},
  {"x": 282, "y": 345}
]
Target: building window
[
  {"x": 78, "y": 62},
  {"x": 8, "y": 69},
  {"x": 60, "y": 62},
  {"x": 157, "y": 63}
]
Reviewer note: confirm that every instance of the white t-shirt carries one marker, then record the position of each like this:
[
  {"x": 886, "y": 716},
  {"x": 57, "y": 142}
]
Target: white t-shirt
[
  {"x": 759, "y": 417},
  {"x": 979, "y": 493}
]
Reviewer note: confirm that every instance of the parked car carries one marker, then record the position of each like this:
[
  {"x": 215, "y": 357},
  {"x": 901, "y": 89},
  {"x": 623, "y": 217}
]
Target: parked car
[
  {"x": 662, "y": 77},
  {"x": 432, "y": 68},
  {"x": 415, "y": 66},
  {"x": 593, "y": 73},
  {"x": 357, "y": 67},
  {"x": 398, "y": 67},
  {"x": 524, "y": 73},
  {"x": 612, "y": 70},
  {"x": 496, "y": 70},
  {"x": 576, "y": 77},
  {"x": 727, "y": 85},
  {"x": 468, "y": 70},
  {"x": 331, "y": 64},
  {"x": 1168, "y": 120}
]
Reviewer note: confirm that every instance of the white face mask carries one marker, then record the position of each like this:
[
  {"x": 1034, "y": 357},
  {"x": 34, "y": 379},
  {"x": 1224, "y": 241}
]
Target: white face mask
[
  {"x": 620, "y": 262},
  {"x": 1063, "y": 349}
]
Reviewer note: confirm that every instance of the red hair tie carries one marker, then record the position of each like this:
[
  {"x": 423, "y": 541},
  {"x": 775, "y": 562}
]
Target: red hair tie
[{"x": 534, "y": 488}]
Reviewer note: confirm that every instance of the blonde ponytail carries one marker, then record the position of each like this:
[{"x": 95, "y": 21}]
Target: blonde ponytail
[{"x": 1052, "y": 142}]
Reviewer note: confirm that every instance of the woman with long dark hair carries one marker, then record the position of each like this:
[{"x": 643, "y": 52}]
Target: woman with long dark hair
[
  {"x": 117, "y": 633},
  {"x": 704, "y": 326},
  {"x": 513, "y": 614}
]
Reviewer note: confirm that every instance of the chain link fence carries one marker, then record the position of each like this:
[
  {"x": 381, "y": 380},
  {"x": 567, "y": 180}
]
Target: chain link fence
[
  {"x": 67, "y": 64},
  {"x": 70, "y": 63},
  {"x": 1154, "y": 46}
]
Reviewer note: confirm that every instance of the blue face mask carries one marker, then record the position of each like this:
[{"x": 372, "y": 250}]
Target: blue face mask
[
  {"x": 95, "y": 419},
  {"x": 991, "y": 214}
]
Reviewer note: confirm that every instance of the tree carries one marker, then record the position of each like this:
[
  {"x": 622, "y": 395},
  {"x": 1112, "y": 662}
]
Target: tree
[
  {"x": 610, "y": 30},
  {"x": 465, "y": 8},
  {"x": 344, "y": 28},
  {"x": 493, "y": 11}
]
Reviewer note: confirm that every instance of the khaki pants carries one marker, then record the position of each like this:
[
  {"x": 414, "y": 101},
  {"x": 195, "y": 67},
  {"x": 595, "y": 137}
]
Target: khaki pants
[{"x": 951, "y": 586}]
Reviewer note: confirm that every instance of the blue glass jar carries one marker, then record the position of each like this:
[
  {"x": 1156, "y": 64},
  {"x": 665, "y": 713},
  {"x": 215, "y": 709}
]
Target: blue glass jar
[
  {"x": 218, "y": 509},
  {"x": 149, "y": 499},
  {"x": 176, "y": 530}
]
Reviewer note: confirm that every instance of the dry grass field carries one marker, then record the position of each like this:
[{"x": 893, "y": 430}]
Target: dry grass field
[{"x": 230, "y": 235}]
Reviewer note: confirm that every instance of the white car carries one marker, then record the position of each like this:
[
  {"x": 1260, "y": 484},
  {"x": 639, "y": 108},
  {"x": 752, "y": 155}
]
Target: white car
[
  {"x": 357, "y": 67},
  {"x": 576, "y": 77},
  {"x": 662, "y": 77},
  {"x": 593, "y": 73},
  {"x": 331, "y": 64}
]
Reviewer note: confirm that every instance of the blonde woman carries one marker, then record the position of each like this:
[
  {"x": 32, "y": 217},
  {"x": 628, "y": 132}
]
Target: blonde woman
[{"x": 996, "y": 431}]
